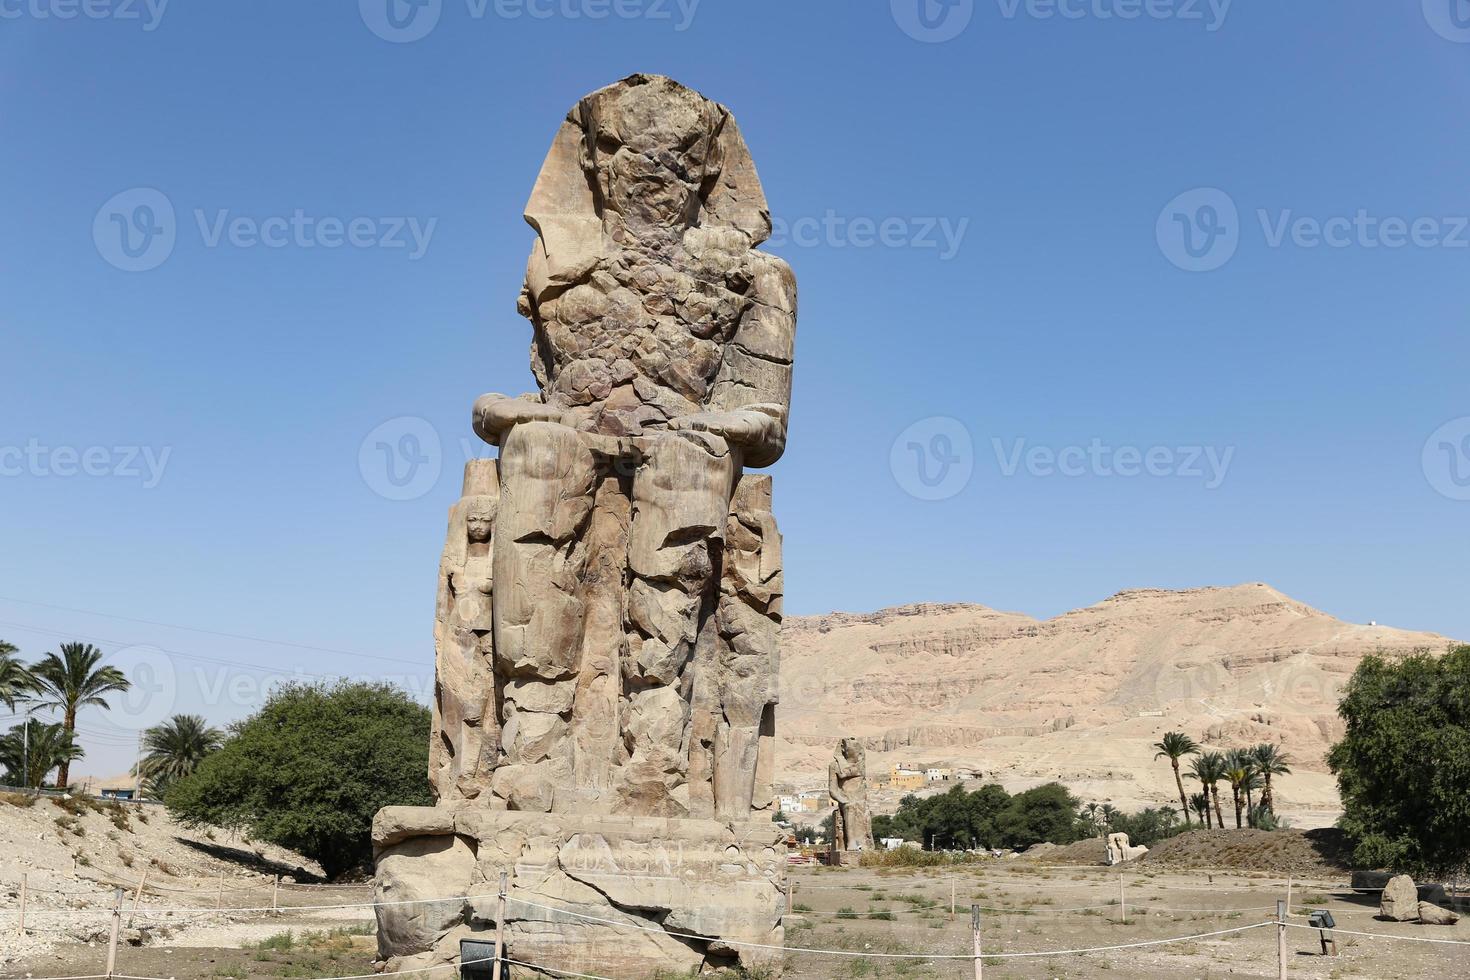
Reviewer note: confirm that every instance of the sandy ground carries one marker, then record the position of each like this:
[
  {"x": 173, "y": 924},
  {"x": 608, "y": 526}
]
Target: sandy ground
[{"x": 901, "y": 912}]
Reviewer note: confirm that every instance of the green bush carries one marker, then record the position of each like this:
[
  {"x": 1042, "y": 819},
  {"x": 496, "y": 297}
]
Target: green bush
[
  {"x": 988, "y": 817},
  {"x": 309, "y": 770},
  {"x": 1403, "y": 768}
]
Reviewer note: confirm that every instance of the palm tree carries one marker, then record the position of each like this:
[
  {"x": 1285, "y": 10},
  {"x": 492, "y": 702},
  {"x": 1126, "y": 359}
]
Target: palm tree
[
  {"x": 1176, "y": 745},
  {"x": 1270, "y": 761},
  {"x": 1200, "y": 802},
  {"x": 1248, "y": 786},
  {"x": 27, "y": 763},
  {"x": 1209, "y": 769},
  {"x": 173, "y": 750},
  {"x": 1109, "y": 814},
  {"x": 1237, "y": 770},
  {"x": 71, "y": 681},
  {"x": 16, "y": 682}
]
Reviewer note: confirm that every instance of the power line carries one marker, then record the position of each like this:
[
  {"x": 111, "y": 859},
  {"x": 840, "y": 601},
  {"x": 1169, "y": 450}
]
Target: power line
[{"x": 196, "y": 629}]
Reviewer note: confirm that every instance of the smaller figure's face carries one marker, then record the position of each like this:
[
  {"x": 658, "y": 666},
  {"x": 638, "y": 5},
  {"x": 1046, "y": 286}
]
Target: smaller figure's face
[{"x": 479, "y": 524}]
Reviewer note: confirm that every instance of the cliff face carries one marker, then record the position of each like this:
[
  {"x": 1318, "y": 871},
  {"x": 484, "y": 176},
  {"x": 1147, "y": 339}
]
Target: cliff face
[{"x": 1080, "y": 697}]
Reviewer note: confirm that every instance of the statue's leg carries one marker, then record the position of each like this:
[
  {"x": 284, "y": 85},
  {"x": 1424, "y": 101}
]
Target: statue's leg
[
  {"x": 681, "y": 500},
  {"x": 547, "y": 480}
]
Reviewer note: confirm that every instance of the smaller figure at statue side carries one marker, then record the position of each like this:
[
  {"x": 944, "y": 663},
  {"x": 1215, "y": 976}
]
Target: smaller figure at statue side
[
  {"x": 847, "y": 784},
  {"x": 465, "y": 748}
]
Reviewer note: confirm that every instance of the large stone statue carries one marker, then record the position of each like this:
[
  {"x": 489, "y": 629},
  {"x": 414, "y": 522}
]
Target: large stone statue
[
  {"x": 610, "y": 593},
  {"x": 847, "y": 784}
]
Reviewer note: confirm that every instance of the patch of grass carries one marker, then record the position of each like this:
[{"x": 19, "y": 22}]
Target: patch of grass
[
  {"x": 235, "y": 972},
  {"x": 846, "y": 912},
  {"x": 885, "y": 916},
  {"x": 21, "y": 800},
  {"x": 281, "y": 942},
  {"x": 801, "y": 907}
]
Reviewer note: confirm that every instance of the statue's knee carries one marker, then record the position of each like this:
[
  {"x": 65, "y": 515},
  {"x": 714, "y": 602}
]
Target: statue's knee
[{"x": 539, "y": 451}]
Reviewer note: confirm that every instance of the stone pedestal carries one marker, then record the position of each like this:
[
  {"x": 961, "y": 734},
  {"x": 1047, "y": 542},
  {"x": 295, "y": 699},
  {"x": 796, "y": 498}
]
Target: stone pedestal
[{"x": 637, "y": 880}]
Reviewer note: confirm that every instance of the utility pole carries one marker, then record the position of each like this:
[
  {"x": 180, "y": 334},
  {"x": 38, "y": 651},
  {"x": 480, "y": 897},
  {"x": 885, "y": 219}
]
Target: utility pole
[{"x": 25, "y": 752}]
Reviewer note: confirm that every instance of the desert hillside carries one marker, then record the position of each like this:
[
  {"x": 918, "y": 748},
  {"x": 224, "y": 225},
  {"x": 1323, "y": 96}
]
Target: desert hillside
[{"x": 1080, "y": 697}]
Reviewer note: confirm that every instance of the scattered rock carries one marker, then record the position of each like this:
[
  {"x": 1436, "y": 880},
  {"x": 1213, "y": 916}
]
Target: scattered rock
[
  {"x": 1432, "y": 915},
  {"x": 1400, "y": 900}
]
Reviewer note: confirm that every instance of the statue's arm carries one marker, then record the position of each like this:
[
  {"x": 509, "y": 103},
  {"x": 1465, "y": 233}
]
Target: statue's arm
[{"x": 753, "y": 386}]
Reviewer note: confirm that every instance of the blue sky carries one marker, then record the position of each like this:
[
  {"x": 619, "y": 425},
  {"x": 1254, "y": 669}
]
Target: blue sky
[{"x": 1089, "y": 301}]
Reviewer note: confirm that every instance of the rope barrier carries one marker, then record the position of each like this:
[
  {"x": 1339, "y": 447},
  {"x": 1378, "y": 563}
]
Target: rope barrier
[
  {"x": 901, "y": 956},
  {"x": 1384, "y": 935},
  {"x": 560, "y": 973}
]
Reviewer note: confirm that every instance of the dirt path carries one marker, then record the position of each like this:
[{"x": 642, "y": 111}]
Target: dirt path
[{"x": 904, "y": 915}]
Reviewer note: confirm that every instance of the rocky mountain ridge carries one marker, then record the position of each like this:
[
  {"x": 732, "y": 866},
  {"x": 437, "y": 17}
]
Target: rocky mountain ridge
[{"x": 1081, "y": 696}]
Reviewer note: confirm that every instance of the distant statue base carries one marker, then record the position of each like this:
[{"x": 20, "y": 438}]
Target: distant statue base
[
  {"x": 844, "y": 859},
  {"x": 644, "y": 885},
  {"x": 1120, "y": 850}
]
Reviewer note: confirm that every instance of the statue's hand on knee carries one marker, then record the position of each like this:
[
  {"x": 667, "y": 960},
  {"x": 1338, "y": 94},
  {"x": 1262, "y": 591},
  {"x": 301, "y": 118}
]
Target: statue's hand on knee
[
  {"x": 495, "y": 415},
  {"x": 758, "y": 430}
]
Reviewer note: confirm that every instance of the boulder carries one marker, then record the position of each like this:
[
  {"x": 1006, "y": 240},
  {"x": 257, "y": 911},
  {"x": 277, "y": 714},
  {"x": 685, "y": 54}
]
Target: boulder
[
  {"x": 1432, "y": 915},
  {"x": 1400, "y": 901}
]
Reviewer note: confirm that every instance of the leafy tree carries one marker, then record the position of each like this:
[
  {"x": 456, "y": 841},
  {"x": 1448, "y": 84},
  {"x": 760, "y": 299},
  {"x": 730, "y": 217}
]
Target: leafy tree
[
  {"x": 988, "y": 817},
  {"x": 175, "y": 749},
  {"x": 50, "y": 746},
  {"x": 1043, "y": 813},
  {"x": 311, "y": 767},
  {"x": 1176, "y": 745},
  {"x": 16, "y": 683},
  {"x": 1403, "y": 767},
  {"x": 1270, "y": 761},
  {"x": 71, "y": 681}
]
